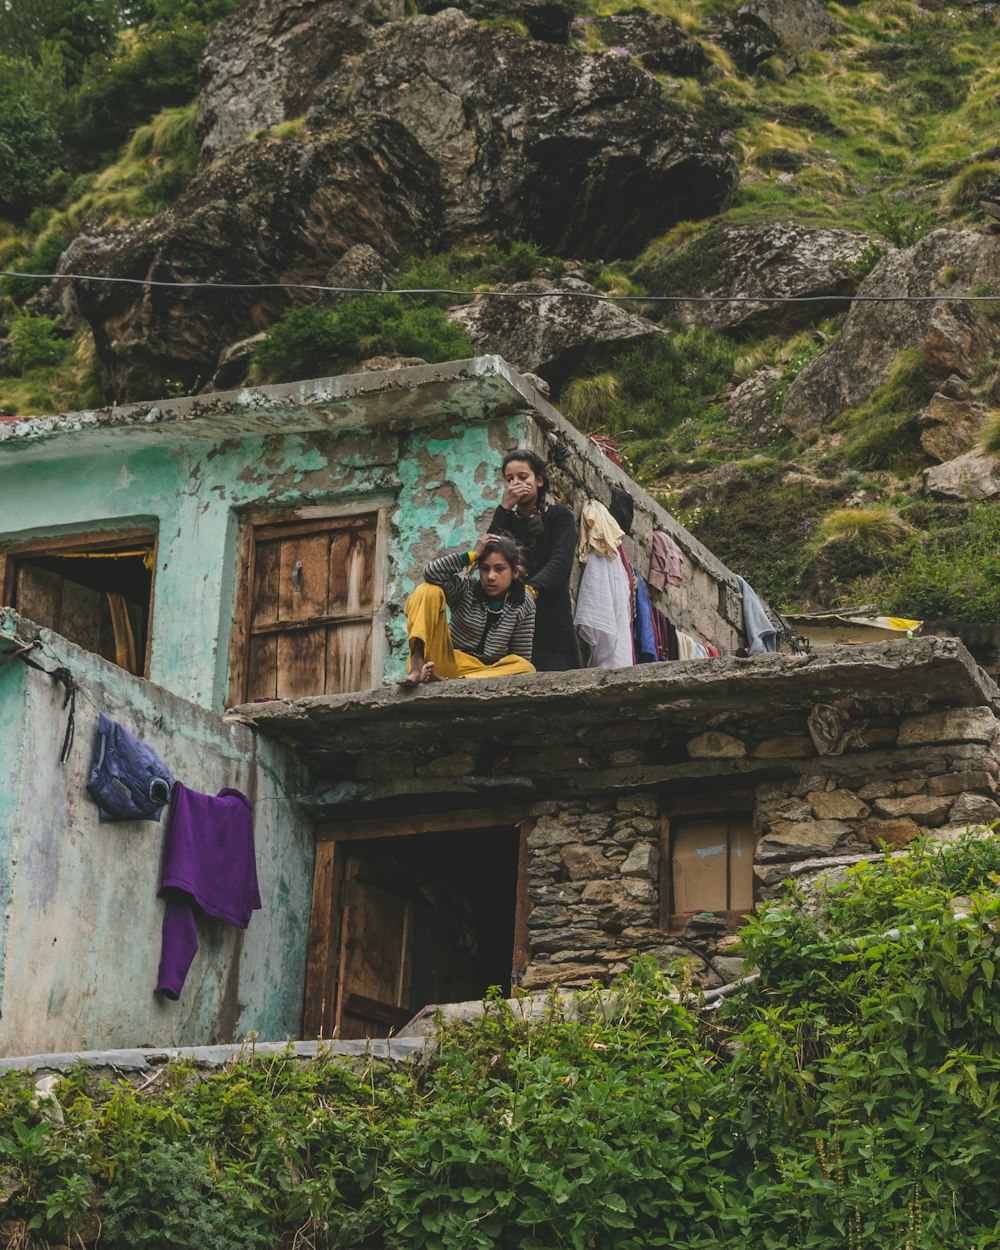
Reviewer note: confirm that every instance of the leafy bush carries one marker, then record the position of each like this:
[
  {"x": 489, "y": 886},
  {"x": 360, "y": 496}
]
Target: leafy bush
[
  {"x": 29, "y": 151},
  {"x": 146, "y": 72},
  {"x": 34, "y": 342},
  {"x": 846, "y": 1099},
  {"x": 311, "y": 341},
  {"x": 989, "y": 435}
]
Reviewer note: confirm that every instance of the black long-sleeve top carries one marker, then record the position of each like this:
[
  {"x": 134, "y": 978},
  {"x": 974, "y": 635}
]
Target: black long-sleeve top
[{"x": 550, "y": 561}]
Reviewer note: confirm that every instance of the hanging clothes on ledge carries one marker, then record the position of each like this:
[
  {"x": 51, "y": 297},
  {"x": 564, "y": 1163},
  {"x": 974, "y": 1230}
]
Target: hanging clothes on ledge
[
  {"x": 761, "y": 633},
  {"x": 211, "y": 866},
  {"x": 666, "y": 562},
  {"x": 599, "y": 531},
  {"x": 643, "y": 630},
  {"x": 603, "y": 617}
]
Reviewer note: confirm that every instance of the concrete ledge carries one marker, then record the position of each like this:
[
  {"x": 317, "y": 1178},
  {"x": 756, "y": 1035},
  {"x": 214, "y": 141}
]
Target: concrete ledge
[{"x": 392, "y": 1050}]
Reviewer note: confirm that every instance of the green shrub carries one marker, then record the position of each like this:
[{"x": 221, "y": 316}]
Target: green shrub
[
  {"x": 871, "y": 529},
  {"x": 34, "y": 342},
  {"x": 29, "y": 151},
  {"x": 989, "y": 435},
  {"x": 589, "y": 401},
  {"x": 977, "y": 181},
  {"x": 313, "y": 341}
]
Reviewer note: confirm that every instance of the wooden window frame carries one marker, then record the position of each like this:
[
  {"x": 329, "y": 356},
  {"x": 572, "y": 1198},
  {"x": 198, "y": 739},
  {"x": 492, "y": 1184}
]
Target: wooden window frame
[
  {"x": 89, "y": 540},
  {"x": 322, "y": 1007},
  {"x": 727, "y": 805},
  {"x": 251, "y": 523}
]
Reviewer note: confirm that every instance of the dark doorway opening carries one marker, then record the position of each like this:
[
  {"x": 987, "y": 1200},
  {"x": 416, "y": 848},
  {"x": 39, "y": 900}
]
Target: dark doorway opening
[{"x": 426, "y": 919}]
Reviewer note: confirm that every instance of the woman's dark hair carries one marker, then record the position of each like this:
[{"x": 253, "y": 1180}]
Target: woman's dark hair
[
  {"x": 538, "y": 466},
  {"x": 508, "y": 548}
]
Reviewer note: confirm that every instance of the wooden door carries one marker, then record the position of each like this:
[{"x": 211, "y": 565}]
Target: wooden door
[
  {"x": 312, "y": 603},
  {"x": 376, "y": 950}
]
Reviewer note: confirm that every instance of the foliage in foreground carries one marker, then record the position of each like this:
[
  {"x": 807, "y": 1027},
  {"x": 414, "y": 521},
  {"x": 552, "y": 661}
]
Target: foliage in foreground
[{"x": 849, "y": 1099}]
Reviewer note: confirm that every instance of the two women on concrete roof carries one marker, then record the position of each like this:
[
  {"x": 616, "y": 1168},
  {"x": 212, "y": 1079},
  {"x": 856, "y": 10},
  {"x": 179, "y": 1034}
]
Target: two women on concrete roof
[{"x": 514, "y": 620}]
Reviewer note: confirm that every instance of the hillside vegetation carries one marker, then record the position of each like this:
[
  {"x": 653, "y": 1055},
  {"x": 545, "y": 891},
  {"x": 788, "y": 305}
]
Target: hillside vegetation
[
  {"x": 866, "y": 136},
  {"x": 847, "y": 1099}
]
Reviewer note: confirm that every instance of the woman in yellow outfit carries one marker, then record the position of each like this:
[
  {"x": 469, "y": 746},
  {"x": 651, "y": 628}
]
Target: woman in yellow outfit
[{"x": 492, "y": 620}]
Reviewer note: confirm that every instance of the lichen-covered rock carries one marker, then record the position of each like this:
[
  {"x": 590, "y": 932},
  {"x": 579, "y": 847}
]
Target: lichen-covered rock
[
  {"x": 657, "y": 41},
  {"x": 776, "y": 260},
  {"x": 551, "y": 335},
  {"x": 580, "y": 152},
  {"x": 953, "y": 338},
  {"x": 949, "y": 427},
  {"x": 273, "y": 212},
  {"x": 976, "y": 475},
  {"x": 262, "y": 63},
  {"x": 800, "y": 26},
  {"x": 975, "y": 810},
  {"x": 751, "y": 404},
  {"x": 548, "y": 20}
]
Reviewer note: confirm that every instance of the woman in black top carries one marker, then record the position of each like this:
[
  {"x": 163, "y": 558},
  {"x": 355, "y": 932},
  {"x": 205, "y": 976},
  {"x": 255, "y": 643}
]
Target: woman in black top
[{"x": 546, "y": 532}]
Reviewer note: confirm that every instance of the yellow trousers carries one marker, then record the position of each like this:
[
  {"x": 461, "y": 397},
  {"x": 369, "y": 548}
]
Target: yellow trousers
[{"x": 427, "y": 620}]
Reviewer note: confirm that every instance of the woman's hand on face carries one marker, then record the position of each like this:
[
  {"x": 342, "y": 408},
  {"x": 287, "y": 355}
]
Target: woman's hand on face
[{"x": 515, "y": 492}]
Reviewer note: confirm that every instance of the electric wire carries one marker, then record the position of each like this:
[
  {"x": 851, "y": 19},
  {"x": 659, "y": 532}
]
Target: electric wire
[{"x": 548, "y": 293}]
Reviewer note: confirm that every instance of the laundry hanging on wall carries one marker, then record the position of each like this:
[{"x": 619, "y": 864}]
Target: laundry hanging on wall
[
  {"x": 128, "y": 780},
  {"x": 210, "y": 866}
]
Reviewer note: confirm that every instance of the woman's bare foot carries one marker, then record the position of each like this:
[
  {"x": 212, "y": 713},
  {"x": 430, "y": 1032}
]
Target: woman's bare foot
[
  {"x": 412, "y": 678},
  {"x": 415, "y": 671},
  {"x": 429, "y": 673}
]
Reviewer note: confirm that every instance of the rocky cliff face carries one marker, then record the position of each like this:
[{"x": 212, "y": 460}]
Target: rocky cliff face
[{"x": 421, "y": 132}]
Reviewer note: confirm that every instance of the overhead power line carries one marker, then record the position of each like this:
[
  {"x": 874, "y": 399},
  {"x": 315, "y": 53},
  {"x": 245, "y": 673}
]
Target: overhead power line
[{"x": 597, "y": 296}]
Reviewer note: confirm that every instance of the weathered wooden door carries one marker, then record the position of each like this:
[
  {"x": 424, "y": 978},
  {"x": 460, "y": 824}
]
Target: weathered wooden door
[
  {"x": 376, "y": 950},
  {"x": 313, "y": 587}
]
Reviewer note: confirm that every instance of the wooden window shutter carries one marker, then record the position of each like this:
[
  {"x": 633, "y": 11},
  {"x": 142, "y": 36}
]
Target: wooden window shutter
[{"x": 312, "y": 603}]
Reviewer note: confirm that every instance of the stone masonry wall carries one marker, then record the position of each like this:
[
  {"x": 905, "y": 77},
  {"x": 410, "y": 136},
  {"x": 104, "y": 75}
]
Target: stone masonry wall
[{"x": 594, "y": 874}]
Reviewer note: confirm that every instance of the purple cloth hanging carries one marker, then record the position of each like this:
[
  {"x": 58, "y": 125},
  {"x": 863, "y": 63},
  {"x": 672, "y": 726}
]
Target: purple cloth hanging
[{"x": 210, "y": 865}]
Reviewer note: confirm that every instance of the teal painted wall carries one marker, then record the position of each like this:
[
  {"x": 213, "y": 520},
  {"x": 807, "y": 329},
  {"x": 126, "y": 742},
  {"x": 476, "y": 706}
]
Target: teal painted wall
[
  {"x": 80, "y": 941},
  {"x": 441, "y": 484}
]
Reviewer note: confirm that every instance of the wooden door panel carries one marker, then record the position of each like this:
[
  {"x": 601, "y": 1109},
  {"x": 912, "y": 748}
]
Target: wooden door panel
[
  {"x": 38, "y": 596},
  {"x": 352, "y": 570},
  {"x": 348, "y": 658},
  {"x": 267, "y": 562},
  {"x": 303, "y": 579},
  {"x": 374, "y": 954},
  {"x": 301, "y": 663},
  {"x": 262, "y": 668}
]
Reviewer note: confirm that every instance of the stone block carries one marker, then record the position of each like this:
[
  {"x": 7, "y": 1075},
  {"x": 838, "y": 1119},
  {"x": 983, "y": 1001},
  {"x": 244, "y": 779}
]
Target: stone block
[
  {"x": 548, "y": 916},
  {"x": 896, "y": 833},
  {"x": 642, "y": 861},
  {"x": 788, "y": 839},
  {"x": 549, "y": 832},
  {"x": 641, "y": 804},
  {"x": 728, "y": 968},
  {"x": 877, "y": 790},
  {"x": 914, "y": 785},
  {"x": 784, "y": 749},
  {"x": 974, "y": 809},
  {"x": 925, "y": 809},
  {"x": 586, "y": 863},
  {"x": 960, "y": 724},
  {"x": 883, "y": 736},
  {"x": 961, "y": 783},
  {"x": 640, "y": 890},
  {"x": 552, "y": 759},
  {"x": 607, "y": 891},
  {"x": 715, "y": 746},
  {"x": 837, "y": 805}
]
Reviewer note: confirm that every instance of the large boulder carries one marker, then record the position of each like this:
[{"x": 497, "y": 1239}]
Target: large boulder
[
  {"x": 273, "y": 213},
  {"x": 778, "y": 259},
  {"x": 263, "y": 62},
  {"x": 579, "y": 152},
  {"x": 548, "y": 334},
  {"x": 950, "y": 424},
  {"x": 973, "y": 476},
  {"x": 954, "y": 337}
]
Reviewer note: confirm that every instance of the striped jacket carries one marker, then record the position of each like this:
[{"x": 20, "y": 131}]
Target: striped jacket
[{"x": 489, "y": 636}]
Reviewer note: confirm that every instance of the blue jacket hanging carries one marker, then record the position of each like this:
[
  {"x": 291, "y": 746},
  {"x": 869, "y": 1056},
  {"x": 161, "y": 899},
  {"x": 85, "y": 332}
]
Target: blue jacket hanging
[{"x": 128, "y": 780}]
